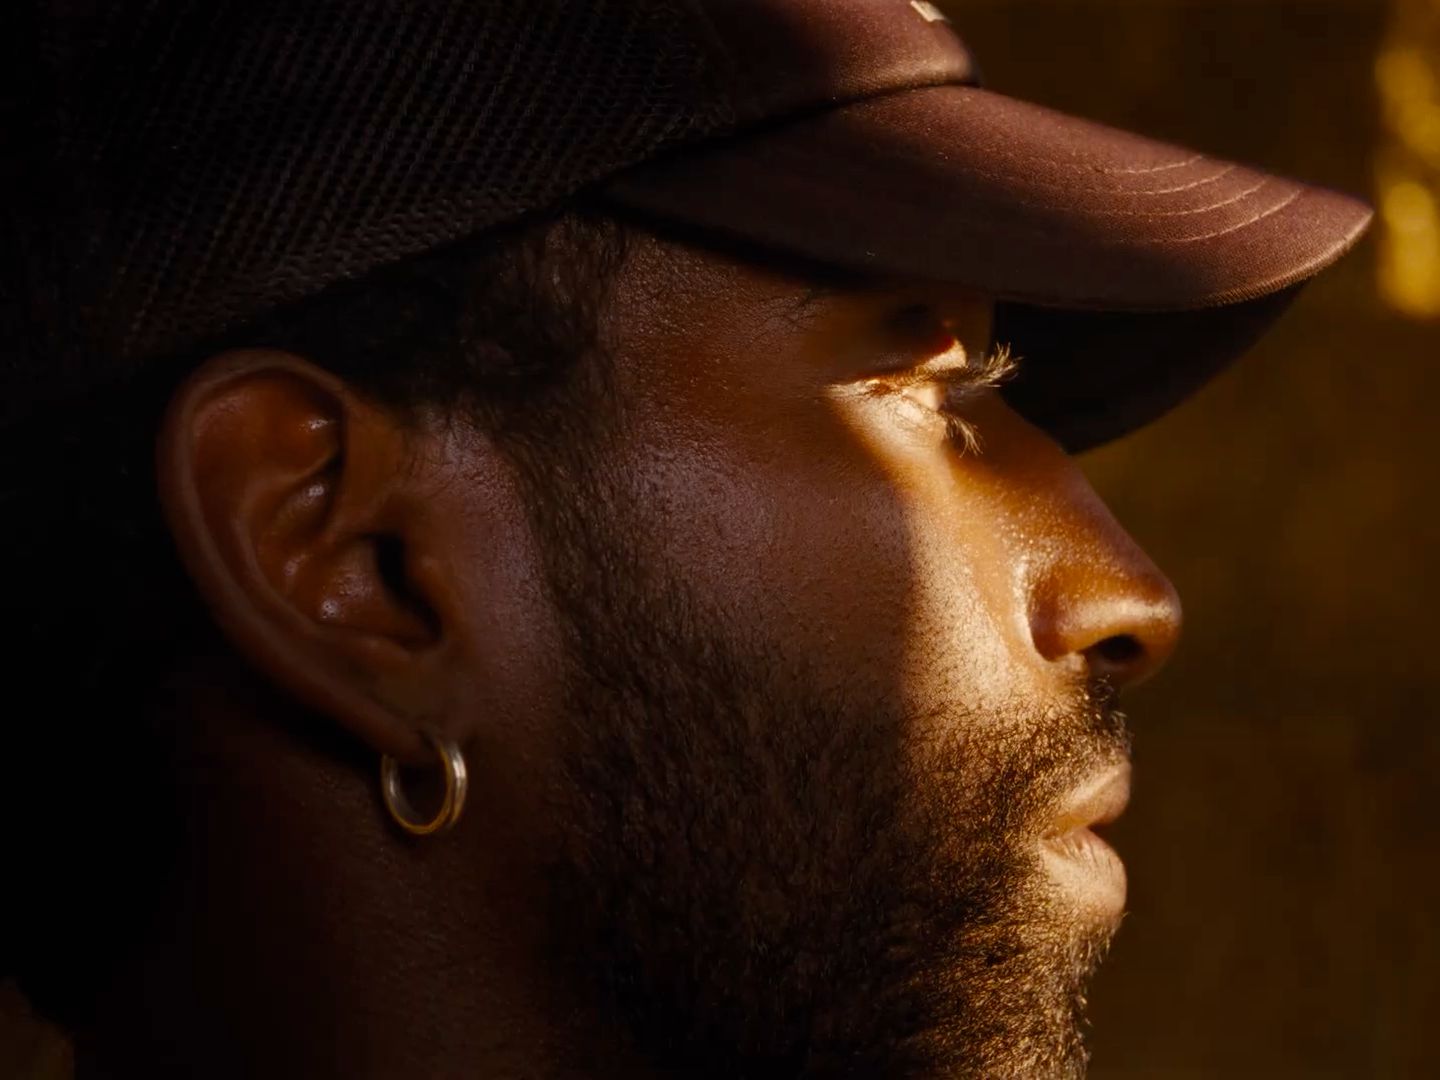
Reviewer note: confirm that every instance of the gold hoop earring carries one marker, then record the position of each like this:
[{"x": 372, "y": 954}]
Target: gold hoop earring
[{"x": 452, "y": 763}]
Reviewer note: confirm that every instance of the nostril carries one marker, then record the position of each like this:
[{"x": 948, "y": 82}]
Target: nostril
[
  {"x": 1122, "y": 628},
  {"x": 1119, "y": 651}
]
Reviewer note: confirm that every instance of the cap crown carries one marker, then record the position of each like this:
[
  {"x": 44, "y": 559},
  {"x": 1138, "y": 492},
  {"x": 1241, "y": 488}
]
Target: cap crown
[{"x": 182, "y": 165}]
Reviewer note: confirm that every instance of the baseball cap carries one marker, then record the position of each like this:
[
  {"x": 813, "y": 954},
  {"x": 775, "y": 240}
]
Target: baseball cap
[{"x": 185, "y": 165}]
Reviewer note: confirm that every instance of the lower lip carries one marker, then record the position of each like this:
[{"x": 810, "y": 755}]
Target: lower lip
[{"x": 1087, "y": 871}]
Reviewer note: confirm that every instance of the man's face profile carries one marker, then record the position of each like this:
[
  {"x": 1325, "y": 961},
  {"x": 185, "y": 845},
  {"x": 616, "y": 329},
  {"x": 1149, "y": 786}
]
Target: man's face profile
[
  {"x": 788, "y": 667},
  {"x": 817, "y": 825}
]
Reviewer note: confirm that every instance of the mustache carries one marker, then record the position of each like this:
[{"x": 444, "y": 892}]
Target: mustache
[
  {"x": 1093, "y": 735},
  {"x": 1010, "y": 780},
  {"x": 1109, "y": 723},
  {"x": 1102, "y": 697}
]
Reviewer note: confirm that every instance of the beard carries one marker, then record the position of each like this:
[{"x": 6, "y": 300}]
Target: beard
[{"x": 763, "y": 873}]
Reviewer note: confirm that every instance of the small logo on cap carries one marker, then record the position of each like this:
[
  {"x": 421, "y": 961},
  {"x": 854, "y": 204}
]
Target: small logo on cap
[{"x": 928, "y": 11}]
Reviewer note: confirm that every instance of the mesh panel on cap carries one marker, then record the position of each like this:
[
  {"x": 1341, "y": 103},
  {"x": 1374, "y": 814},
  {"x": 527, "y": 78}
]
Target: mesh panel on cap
[{"x": 186, "y": 164}]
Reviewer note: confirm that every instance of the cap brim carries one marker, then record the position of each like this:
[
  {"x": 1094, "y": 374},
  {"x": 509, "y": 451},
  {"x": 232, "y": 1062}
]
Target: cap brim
[{"x": 1040, "y": 209}]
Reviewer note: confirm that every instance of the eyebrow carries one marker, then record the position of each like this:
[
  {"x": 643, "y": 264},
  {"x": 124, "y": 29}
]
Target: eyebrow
[
  {"x": 820, "y": 287},
  {"x": 823, "y": 281},
  {"x": 813, "y": 294},
  {"x": 842, "y": 283},
  {"x": 828, "y": 281}
]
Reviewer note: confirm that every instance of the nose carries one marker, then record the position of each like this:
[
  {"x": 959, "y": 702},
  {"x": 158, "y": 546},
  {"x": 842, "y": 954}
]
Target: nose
[
  {"x": 1116, "y": 615},
  {"x": 1094, "y": 600}
]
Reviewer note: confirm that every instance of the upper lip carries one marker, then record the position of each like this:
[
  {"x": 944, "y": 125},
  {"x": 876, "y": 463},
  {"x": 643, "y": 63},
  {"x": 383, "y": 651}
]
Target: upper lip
[{"x": 1097, "y": 802}]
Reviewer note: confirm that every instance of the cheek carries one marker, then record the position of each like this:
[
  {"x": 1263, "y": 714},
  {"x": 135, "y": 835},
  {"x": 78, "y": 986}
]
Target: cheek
[
  {"x": 968, "y": 638},
  {"x": 852, "y": 566},
  {"x": 967, "y": 635}
]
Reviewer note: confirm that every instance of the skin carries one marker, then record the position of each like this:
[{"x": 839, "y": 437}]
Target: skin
[{"x": 768, "y": 690}]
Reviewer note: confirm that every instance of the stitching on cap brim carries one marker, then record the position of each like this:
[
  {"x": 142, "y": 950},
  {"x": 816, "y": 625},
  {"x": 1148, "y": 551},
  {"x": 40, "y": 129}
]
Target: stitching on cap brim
[{"x": 958, "y": 183}]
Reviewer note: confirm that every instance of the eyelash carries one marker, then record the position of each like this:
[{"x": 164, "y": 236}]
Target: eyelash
[
  {"x": 991, "y": 372},
  {"x": 962, "y": 432}
]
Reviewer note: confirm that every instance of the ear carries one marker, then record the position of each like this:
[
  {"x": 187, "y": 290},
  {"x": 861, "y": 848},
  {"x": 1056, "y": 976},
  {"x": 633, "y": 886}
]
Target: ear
[{"x": 300, "y": 511}]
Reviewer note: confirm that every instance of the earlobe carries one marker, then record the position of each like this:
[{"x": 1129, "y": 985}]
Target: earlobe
[{"x": 284, "y": 491}]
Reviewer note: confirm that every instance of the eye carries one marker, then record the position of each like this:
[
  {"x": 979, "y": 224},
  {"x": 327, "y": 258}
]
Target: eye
[
  {"x": 935, "y": 394},
  {"x": 946, "y": 394},
  {"x": 941, "y": 393}
]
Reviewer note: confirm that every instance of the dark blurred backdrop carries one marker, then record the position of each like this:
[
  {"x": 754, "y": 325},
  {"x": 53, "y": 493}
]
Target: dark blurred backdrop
[{"x": 1284, "y": 835}]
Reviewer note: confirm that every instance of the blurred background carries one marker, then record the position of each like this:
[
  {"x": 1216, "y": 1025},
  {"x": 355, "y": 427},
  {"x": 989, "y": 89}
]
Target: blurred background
[{"x": 1284, "y": 838}]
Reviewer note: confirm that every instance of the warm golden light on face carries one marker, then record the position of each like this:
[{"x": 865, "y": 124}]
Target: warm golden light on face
[{"x": 1407, "y": 74}]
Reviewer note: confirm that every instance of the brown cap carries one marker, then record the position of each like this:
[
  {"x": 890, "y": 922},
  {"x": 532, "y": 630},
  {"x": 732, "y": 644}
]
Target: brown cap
[
  {"x": 873, "y": 147},
  {"x": 178, "y": 167}
]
